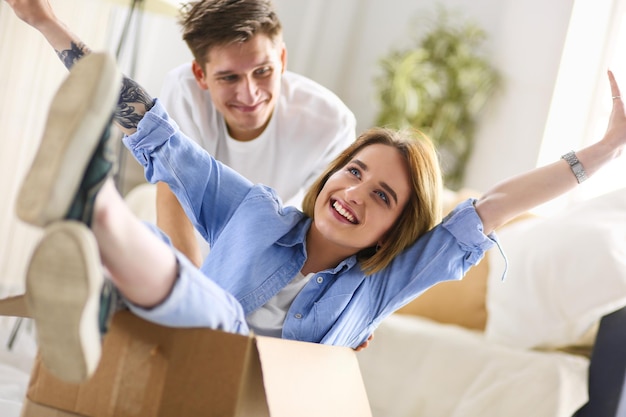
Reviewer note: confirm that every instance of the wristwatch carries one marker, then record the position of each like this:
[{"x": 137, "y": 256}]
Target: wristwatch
[{"x": 576, "y": 166}]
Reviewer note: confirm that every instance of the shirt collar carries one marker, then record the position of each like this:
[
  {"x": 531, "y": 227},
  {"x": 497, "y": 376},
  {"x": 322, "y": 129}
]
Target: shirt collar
[{"x": 297, "y": 236}]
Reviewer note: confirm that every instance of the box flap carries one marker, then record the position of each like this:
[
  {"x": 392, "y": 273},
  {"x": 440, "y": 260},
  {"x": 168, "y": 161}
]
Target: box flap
[
  {"x": 14, "y": 306},
  {"x": 311, "y": 380},
  {"x": 149, "y": 370}
]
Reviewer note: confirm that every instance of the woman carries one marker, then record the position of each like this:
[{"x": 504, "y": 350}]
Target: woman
[{"x": 367, "y": 243}]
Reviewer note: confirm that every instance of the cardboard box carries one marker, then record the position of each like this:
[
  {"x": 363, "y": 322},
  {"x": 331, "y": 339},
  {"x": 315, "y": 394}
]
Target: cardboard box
[
  {"x": 14, "y": 306},
  {"x": 149, "y": 370}
]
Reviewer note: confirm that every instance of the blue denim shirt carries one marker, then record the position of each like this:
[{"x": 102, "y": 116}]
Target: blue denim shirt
[{"x": 258, "y": 246}]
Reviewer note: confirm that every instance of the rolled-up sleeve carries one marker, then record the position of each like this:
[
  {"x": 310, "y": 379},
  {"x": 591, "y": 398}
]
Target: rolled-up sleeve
[
  {"x": 208, "y": 191},
  {"x": 155, "y": 131},
  {"x": 467, "y": 228}
]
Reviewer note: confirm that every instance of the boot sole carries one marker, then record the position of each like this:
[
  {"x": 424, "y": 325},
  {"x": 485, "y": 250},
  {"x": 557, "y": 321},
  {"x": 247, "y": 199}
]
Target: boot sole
[
  {"x": 79, "y": 114},
  {"x": 63, "y": 285}
]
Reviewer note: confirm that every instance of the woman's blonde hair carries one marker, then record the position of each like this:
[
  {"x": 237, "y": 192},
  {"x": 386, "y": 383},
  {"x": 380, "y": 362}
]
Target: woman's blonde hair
[{"x": 423, "y": 209}]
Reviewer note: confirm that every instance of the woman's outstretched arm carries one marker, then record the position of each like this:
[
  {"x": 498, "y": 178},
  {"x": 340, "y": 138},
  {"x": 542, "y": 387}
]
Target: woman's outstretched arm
[{"x": 521, "y": 193}]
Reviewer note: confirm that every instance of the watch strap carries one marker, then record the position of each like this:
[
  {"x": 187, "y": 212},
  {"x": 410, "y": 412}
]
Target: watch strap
[{"x": 577, "y": 168}]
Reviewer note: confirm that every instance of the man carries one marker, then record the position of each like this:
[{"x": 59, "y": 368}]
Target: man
[{"x": 237, "y": 100}]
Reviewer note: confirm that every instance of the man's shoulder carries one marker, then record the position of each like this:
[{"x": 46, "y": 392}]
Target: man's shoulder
[
  {"x": 182, "y": 71},
  {"x": 179, "y": 78},
  {"x": 297, "y": 83},
  {"x": 307, "y": 95},
  {"x": 181, "y": 89}
]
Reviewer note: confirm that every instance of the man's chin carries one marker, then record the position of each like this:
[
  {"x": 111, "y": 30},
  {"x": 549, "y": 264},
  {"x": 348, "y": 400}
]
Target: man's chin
[{"x": 245, "y": 132}]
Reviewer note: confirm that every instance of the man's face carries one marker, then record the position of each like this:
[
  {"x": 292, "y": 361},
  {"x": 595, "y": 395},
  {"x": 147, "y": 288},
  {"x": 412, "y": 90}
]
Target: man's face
[{"x": 244, "y": 82}]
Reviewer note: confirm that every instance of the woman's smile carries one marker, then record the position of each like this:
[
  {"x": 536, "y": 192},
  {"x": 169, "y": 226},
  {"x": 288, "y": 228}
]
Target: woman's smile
[{"x": 344, "y": 213}]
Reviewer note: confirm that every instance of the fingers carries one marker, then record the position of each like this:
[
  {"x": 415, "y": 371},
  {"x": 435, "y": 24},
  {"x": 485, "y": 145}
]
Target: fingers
[
  {"x": 617, "y": 113},
  {"x": 364, "y": 344},
  {"x": 615, "y": 93}
]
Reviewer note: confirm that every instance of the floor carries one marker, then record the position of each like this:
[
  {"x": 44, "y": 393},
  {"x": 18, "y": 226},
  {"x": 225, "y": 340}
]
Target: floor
[{"x": 15, "y": 364}]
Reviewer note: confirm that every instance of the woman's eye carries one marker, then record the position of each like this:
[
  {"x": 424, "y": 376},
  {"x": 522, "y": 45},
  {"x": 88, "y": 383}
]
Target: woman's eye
[
  {"x": 383, "y": 196},
  {"x": 354, "y": 172}
]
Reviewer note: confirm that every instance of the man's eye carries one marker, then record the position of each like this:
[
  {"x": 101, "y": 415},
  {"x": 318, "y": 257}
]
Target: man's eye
[
  {"x": 265, "y": 71},
  {"x": 229, "y": 78}
]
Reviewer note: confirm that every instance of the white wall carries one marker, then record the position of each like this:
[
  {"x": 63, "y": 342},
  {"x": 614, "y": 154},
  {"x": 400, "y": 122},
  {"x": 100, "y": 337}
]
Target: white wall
[{"x": 340, "y": 43}]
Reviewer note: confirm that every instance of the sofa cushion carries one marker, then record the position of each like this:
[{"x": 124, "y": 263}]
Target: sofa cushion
[
  {"x": 565, "y": 272},
  {"x": 455, "y": 302}
]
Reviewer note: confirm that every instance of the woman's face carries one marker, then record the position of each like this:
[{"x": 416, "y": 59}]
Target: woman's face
[{"x": 360, "y": 202}]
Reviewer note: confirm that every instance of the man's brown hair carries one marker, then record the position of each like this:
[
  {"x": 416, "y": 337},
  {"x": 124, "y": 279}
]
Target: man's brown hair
[{"x": 209, "y": 23}]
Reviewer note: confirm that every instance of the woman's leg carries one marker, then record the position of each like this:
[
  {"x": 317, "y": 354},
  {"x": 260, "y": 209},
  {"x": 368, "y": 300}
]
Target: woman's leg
[
  {"x": 157, "y": 282},
  {"x": 142, "y": 266},
  {"x": 71, "y": 171}
]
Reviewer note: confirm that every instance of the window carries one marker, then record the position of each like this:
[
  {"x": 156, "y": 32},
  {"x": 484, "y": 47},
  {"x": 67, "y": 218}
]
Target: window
[{"x": 581, "y": 104}]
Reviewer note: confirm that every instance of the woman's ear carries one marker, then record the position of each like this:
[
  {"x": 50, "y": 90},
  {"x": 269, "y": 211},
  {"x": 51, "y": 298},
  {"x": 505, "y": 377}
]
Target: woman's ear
[{"x": 199, "y": 75}]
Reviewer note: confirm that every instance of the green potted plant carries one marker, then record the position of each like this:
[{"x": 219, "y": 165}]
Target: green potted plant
[{"x": 439, "y": 85}]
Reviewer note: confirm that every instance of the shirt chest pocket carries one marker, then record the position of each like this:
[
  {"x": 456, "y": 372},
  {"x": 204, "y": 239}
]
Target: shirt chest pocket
[{"x": 340, "y": 314}]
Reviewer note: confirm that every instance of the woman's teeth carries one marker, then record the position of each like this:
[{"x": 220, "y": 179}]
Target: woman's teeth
[{"x": 345, "y": 213}]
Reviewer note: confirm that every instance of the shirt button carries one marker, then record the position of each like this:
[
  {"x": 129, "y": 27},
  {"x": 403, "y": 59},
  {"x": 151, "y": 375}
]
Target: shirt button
[
  {"x": 320, "y": 279},
  {"x": 298, "y": 315}
]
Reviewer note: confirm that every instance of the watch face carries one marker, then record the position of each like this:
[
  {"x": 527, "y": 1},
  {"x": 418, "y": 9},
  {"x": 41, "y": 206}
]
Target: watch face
[
  {"x": 579, "y": 172},
  {"x": 576, "y": 166}
]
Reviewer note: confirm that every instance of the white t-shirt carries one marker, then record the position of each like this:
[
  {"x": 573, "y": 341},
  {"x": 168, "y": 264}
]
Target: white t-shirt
[
  {"x": 269, "y": 318},
  {"x": 309, "y": 128}
]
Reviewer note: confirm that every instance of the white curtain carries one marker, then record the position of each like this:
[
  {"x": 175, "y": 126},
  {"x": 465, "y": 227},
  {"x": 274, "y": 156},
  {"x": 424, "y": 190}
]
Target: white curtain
[
  {"x": 30, "y": 73},
  {"x": 581, "y": 104}
]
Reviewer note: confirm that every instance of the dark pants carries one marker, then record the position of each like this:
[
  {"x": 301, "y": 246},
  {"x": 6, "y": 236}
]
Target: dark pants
[{"x": 608, "y": 369}]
